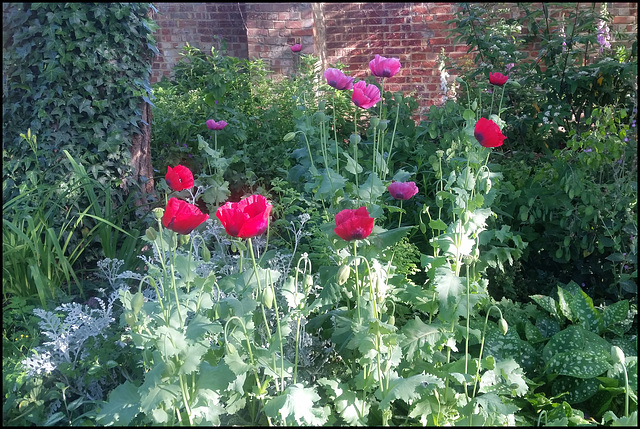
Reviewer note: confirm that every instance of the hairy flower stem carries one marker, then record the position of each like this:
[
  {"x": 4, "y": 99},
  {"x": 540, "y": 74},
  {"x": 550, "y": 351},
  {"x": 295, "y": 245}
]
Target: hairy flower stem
[
  {"x": 295, "y": 362},
  {"x": 393, "y": 135},
  {"x": 335, "y": 133},
  {"x": 484, "y": 330},
  {"x": 355, "y": 154},
  {"x": 255, "y": 271}
]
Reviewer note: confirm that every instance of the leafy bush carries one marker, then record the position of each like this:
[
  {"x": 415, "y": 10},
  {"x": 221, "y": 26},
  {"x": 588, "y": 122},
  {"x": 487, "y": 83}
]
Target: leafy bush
[{"x": 75, "y": 75}]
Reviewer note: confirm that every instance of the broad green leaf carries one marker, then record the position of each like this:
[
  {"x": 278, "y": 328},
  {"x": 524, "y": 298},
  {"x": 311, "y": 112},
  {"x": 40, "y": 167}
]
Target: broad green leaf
[
  {"x": 164, "y": 393},
  {"x": 123, "y": 405},
  {"x": 372, "y": 189},
  {"x": 448, "y": 285},
  {"x": 615, "y": 313},
  {"x": 297, "y": 401},
  {"x": 417, "y": 335},
  {"x": 351, "y": 166},
  {"x": 170, "y": 341},
  {"x": 578, "y": 363},
  {"x": 406, "y": 389},
  {"x": 578, "y": 389},
  {"x": 353, "y": 409}
]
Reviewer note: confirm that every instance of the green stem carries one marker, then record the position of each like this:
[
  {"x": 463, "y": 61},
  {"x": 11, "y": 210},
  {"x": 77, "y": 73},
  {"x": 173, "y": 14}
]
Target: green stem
[
  {"x": 355, "y": 152},
  {"x": 484, "y": 330},
  {"x": 357, "y": 280},
  {"x": 400, "y": 219},
  {"x": 393, "y": 135},
  {"x": 335, "y": 133}
]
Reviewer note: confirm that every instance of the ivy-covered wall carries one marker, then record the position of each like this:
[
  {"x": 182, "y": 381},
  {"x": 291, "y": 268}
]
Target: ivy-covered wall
[{"x": 76, "y": 75}]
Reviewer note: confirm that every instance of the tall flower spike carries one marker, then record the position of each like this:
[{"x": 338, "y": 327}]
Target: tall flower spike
[{"x": 365, "y": 96}]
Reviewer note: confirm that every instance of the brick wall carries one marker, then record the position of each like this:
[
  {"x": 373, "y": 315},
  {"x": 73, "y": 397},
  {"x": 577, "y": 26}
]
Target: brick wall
[{"x": 349, "y": 33}]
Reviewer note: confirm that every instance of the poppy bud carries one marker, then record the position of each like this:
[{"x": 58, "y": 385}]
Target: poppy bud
[
  {"x": 343, "y": 274},
  {"x": 151, "y": 234},
  {"x": 136, "y": 302},
  {"x": 504, "y": 326}
]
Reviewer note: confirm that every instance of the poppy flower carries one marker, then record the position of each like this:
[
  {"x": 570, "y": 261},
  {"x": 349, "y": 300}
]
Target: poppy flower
[
  {"x": 498, "y": 79},
  {"x": 296, "y": 48},
  {"x": 353, "y": 224},
  {"x": 365, "y": 96},
  {"x": 337, "y": 79},
  {"x": 182, "y": 217},
  {"x": 246, "y": 218},
  {"x": 213, "y": 125},
  {"x": 488, "y": 133},
  {"x": 384, "y": 67},
  {"x": 179, "y": 178},
  {"x": 402, "y": 190}
]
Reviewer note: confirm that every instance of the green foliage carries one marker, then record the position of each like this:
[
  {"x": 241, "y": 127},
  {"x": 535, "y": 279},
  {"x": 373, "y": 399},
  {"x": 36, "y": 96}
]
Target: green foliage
[
  {"x": 241, "y": 92},
  {"x": 573, "y": 73},
  {"x": 75, "y": 74}
]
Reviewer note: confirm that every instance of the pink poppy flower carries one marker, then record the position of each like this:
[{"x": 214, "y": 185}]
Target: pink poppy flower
[
  {"x": 384, "y": 67},
  {"x": 402, "y": 191},
  {"x": 365, "y": 96},
  {"x": 353, "y": 224},
  {"x": 296, "y": 48},
  {"x": 213, "y": 125},
  {"x": 498, "y": 79},
  {"x": 337, "y": 79}
]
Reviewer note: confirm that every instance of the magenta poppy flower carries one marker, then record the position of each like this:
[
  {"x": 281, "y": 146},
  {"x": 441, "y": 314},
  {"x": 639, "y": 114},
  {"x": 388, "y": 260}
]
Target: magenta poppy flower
[
  {"x": 296, "y": 48},
  {"x": 402, "y": 190},
  {"x": 353, "y": 224},
  {"x": 213, "y": 125},
  {"x": 182, "y": 217},
  {"x": 498, "y": 79},
  {"x": 247, "y": 218},
  {"x": 179, "y": 178},
  {"x": 365, "y": 96},
  {"x": 337, "y": 79},
  {"x": 384, "y": 67},
  {"x": 488, "y": 133}
]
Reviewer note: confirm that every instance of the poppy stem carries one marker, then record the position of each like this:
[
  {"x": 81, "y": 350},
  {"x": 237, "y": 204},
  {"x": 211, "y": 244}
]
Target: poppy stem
[
  {"x": 355, "y": 152},
  {"x": 400, "y": 220},
  {"x": 335, "y": 133},
  {"x": 355, "y": 261}
]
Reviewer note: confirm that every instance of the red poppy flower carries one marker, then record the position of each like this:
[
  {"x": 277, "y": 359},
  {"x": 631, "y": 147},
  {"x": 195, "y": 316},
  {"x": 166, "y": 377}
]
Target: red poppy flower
[
  {"x": 213, "y": 125},
  {"x": 365, "y": 96},
  {"x": 247, "y": 218},
  {"x": 182, "y": 217},
  {"x": 179, "y": 178},
  {"x": 402, "y": 191},
  {"x": 296, "y": 48},
  {"x": 337, "y": 79},
  {"x": 488, "y": 133},
  {"x": 498, "y": 79},
  {"x": 384, "y": 67},
  {"x": 353, "y": 224}
]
